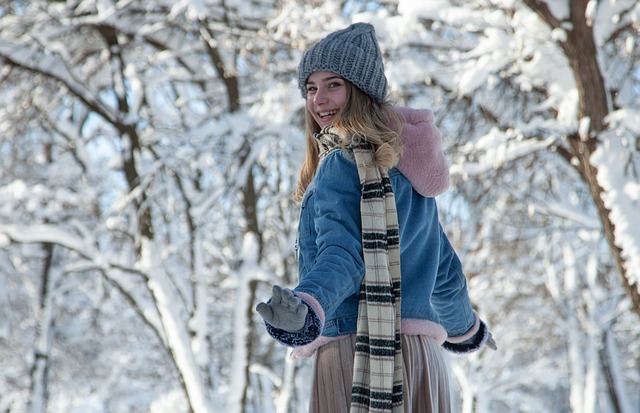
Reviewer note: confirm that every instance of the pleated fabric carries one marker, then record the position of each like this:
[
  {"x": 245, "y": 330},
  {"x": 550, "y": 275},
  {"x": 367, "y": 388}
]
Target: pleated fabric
[{"x": 425, "y": 376}]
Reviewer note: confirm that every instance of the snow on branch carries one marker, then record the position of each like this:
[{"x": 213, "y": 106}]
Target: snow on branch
[
  {"x": 47, "y": 233},
  {"x": 618, "y": 164},
  {"x": 496, "y": 149},
  {"x": 21, "y": 55}
]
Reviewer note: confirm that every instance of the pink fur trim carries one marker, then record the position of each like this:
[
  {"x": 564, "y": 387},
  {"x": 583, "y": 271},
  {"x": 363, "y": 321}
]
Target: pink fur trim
[
  {"x": 313, "y": 303},
  {"x": 468, "y": 335},
  {"x": 423, "y": 161},
  {"x": 309, "y": 349},
  {"x": 416, "y": 327},
  {"x": 410, "y": 327}
]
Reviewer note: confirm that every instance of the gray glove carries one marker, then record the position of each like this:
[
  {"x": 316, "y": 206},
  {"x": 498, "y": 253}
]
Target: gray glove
[
  {"x": 284, "y": 311},
  {"x": 482, "y": 336},
  {"x": 491, "y": 343}
]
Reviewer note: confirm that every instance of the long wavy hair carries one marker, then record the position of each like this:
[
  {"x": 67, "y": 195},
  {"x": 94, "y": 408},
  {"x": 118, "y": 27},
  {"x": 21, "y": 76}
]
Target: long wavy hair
[{"x": 360, "y": 118}]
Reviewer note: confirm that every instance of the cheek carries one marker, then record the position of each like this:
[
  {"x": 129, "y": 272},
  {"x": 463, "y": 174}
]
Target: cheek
[
  {"x": 311, "y": 110},
  {"x": 342, "y": 99}
]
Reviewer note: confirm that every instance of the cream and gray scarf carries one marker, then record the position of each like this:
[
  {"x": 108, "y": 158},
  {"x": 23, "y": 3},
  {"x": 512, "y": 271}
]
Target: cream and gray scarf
[{"x": 377, "y": 373}]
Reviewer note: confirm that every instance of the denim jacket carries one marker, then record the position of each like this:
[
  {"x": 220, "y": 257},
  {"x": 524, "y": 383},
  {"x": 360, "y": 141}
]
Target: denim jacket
[{"x": 434, "y": 301}]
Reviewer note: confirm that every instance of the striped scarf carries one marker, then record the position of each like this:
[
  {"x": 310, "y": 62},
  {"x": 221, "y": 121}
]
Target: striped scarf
[{"x": 377, "y": 373}]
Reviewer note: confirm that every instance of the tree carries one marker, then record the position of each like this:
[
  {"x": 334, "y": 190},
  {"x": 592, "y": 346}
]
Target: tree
[
  {"x": 138, "y": 108},
  {"x": 149, "y": 153},
  {"x": 519, "y": 84}
]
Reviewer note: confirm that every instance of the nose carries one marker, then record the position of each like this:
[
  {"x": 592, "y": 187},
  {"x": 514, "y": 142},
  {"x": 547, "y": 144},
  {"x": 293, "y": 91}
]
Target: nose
[{"x": 320, "y": 97}]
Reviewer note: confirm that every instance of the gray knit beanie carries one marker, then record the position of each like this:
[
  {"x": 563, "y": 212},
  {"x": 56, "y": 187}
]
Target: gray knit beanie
[{"x": 354, "y": 54}]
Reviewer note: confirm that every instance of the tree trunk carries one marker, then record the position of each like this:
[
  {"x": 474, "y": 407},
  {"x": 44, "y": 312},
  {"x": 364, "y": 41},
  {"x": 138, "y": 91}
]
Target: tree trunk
[
  {"x": 284, "y": 401},
  {"x": 177, "y": 333},
  {"x": 129, "y": 134},
  {"x": 228, "y": 74},
  {"x": 593, "y": 106},
  {"x": 250, "y": 204},
  {"x": 44, "y": 337},
  {"x": 610, "y": 360}
]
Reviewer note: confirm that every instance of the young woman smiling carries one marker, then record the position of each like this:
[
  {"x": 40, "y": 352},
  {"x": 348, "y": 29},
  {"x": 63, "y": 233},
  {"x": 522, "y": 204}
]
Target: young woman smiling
[{"x": 381, "y": 290}]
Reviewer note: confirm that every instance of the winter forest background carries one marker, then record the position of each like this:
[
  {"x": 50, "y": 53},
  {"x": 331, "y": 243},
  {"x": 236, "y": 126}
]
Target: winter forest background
[{"x": 149, "y": 150}]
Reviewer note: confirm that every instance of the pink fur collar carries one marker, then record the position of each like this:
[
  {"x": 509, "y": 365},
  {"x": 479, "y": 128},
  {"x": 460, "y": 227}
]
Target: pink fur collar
[{"x": 423, "y": 161}]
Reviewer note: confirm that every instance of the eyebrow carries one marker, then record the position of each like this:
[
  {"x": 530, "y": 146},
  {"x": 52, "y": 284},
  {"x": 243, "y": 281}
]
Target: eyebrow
[{"x": 326, "y": 79}]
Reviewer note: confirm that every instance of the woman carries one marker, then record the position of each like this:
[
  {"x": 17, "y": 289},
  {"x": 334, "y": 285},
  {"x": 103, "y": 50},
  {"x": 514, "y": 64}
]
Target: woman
[{"x": 380, "y": 291}]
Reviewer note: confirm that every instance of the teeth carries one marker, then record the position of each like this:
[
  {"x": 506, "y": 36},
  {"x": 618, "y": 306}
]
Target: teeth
[{"x": 325, "y": 114}]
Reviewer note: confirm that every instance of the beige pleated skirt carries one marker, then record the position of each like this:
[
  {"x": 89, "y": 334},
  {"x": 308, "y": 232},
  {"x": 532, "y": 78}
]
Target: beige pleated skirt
[{"x": 425, "y": 384}]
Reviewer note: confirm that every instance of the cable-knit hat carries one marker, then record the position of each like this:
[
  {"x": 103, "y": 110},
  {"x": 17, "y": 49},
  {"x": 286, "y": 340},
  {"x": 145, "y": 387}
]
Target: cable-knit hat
[{"x": 354, "y": 54}]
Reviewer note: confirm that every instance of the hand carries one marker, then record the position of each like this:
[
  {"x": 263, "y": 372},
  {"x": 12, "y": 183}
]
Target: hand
[
  {"x": 491, "y": 343},
  {"x": 285, "y": 311}
]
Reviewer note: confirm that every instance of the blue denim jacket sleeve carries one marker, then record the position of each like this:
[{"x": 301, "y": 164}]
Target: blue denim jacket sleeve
[
  {"x": 450, "y": 296},
  {"x": 338, "y": 268}
]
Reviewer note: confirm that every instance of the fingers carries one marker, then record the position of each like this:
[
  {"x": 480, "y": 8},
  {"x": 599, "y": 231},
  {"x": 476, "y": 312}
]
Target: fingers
[
  {"x": 285, "y": 297},
  {"x": 290, "y": 300},
  {"x": 276, "y": 294},
  {"x": 265, "y": 311},
  {"x": 284, "y": 310},
  {"x": 302, "y": 309}
]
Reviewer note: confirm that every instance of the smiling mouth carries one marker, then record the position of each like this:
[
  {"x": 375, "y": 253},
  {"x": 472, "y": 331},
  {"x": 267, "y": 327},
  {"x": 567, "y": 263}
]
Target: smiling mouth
[{"x": 324, "y": 115}]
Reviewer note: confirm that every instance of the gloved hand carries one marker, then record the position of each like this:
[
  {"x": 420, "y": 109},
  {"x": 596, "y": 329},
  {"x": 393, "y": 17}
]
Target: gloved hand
[
  {"x": 284, "y": 311},
  {"x": 491, "y": 343},
  {"x": 480, "y": 338}
]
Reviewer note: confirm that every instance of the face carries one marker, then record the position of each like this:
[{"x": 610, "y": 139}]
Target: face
[{"x": 326, "y": 95}]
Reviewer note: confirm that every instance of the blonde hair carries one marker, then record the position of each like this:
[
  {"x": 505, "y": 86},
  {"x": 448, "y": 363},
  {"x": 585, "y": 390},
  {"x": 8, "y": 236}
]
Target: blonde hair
[{"x": 361, "y": 118}]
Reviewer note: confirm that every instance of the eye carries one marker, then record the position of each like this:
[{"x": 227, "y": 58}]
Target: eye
[
  {"x": 334, "y": 85},
  {"x": 311, "y": 89}
]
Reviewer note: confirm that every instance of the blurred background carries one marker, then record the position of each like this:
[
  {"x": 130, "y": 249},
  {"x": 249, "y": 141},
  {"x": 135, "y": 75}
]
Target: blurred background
[{"x": 149, "y": 150}]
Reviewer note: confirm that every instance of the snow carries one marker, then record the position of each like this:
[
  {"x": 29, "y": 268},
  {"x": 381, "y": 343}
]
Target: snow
[
  {"x": 171, "y": 402},
  {"x": 177, "y": 338},
  {"x": 621, "y": 195},
  {"x": 441, "y": 10},
  {"x": 590, "y": 11},
  {"x": 607, "y": 16},
  {"x": 24, "y": 55},
  {"x": 249, "y": 255},
  {"x": 496, "y": 149},
  {"x": 559, "y": 9},
  {"x": 492, "y": 57},
  {"x": 583, "y": 128},
  {"x": 46, "y": 233},
  {"x": 193, "y": 9},
  {"x": 565, "y": 211},
  {"x": 559, "y": 34},
  {"x": 162, "y": 324},
  {"x": 613, "y": 358}
]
